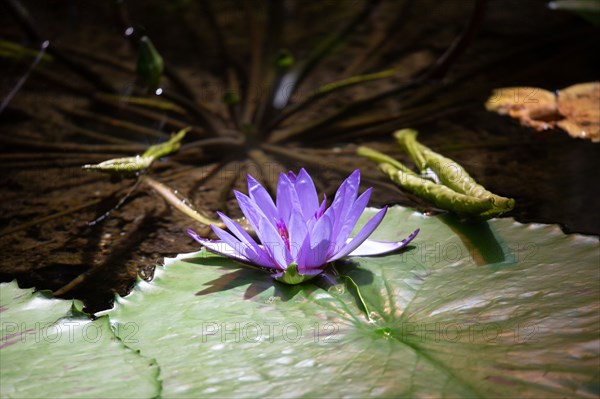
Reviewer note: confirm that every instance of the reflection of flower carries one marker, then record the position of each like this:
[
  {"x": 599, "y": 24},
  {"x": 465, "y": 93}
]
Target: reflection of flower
[{"x": 298, "y": 236}]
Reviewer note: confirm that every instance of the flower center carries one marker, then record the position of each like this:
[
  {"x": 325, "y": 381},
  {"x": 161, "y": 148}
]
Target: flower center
[{"x": 283, "y": 233}]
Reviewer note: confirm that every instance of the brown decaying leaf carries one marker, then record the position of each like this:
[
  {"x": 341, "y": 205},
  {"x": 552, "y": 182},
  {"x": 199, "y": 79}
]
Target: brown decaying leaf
[
  {"x": 576, "y": 109},
  {"x": 580, "y": 105}
]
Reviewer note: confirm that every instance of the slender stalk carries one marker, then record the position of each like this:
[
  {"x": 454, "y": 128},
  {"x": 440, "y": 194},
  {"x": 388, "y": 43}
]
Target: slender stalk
[
  {"x": 327, "y": 45},
  {"x": 178, "y": 202},
  {"x": 95, "y": 135},
  {"x": 216, "y": 142},
  {"x": 118, "y": 123},
  {"x": 97, "y": 57},
  {"x": 302, "y": 156},
  {"x": 273, "y": 73},
  {"x": 328, "y": 89},
  {"x": 439, "y": 69},
  {"x": 94, "y": 148},
  {"x": 50, "y": 155},
  {"x": 213, "y": 123},
  {"x": 257, "y": 39},
  {"x": 459, "y": 46},
  {"x": 351, "y": 108},
  {"x": 380, "y": 157},
  {"x": 397, "y": 123},
  {"x": 118, "y": 205},
  {"x": 48, "y": 164},
  {"x": 155, "y": 103},
  {"x": 125, "y": 103}
]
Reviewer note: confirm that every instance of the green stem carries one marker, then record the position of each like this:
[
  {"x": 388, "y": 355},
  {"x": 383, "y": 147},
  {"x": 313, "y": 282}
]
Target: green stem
[
  {"x": 156, "y": 103},
  {"x": 379, "y": 157},
  {"x": 352, "y": 286},
  {"x": 407, "y": 138}
]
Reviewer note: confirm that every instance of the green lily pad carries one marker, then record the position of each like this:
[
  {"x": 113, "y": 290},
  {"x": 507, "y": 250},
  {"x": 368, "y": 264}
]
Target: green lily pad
[
  {"x": 49, "y": 348},
  {"x": 494, "y": 309}
]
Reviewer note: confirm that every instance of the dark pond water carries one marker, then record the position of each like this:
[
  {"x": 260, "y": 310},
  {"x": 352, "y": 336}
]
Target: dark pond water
[{"x": 72, "y": 110}]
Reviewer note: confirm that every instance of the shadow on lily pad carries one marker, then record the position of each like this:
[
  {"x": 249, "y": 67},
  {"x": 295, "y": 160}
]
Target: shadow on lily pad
[{"x": 257, "y": 279}]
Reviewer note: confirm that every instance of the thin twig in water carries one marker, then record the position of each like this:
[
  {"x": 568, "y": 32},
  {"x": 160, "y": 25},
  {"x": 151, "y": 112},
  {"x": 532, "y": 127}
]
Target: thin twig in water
[
  {"x": 96, "y": 148},
  {"x": 24, "y": 78}
]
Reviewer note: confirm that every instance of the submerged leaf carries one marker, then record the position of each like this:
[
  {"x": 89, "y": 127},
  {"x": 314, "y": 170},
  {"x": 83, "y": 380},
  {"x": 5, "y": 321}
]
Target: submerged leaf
[{"x": 140, "y": 162}]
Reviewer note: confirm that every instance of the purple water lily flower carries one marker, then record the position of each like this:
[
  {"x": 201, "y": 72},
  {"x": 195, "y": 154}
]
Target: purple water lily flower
[{"x": 298, "y": 236}]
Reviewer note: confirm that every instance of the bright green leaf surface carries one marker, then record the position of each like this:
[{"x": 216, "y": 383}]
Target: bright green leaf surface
[
  {"x": 497, "y": 309},
  {"x": 49, "y": 350}
]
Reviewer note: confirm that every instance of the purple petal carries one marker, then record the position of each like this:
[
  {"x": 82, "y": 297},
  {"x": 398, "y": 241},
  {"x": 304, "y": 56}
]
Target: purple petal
[
  {"x": 245, "y": 238},
  {"x": 249, "y": 209},
  {"x": 346, "y": 225},
  {"x": 344, "y": 199},
  {"x": 372, "y": 247},
  {"x": 262, "y": 198},
  {"x": 287, "y": 198},
  {"x": 219, "y": 247},
  {"x": 321, "y": 209},
  {"x": 265, "y": 230},
  {"x": 316, "y": 245},
  {"x": 361, "y": 236},
  {"x": 307, "y": 194},
  {"x": 273, "y": 243},
  {"x": 237, "y": 230},
  {"x": 253, "y": 253},
  {"x": 297, "y": 231}
]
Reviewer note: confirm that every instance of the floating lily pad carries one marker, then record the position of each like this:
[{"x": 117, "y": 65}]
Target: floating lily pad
[
  {"x": 49, "y": 349},
  {"x": 495, "y": 309}
]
